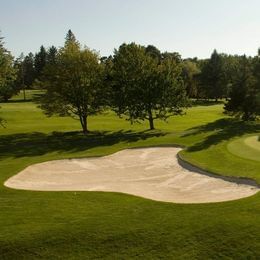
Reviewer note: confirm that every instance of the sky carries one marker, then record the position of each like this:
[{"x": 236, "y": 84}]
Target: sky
[{"x": 194, "y": 28}]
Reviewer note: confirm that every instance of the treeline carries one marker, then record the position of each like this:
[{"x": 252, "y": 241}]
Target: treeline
[{"x": 139, "y": 82}]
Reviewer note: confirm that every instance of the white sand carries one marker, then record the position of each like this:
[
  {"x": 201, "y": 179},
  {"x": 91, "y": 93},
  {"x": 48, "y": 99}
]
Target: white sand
[{"x": 152, "y": 173}]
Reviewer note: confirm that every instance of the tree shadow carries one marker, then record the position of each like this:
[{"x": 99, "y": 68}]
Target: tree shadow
[
  {"x": 220, "y": 130},
  {"x": 203, "y": 102},
  {"x": 36, "y": 144}
]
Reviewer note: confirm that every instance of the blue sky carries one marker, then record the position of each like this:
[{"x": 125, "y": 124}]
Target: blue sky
[{"x": 190, "y": 27}]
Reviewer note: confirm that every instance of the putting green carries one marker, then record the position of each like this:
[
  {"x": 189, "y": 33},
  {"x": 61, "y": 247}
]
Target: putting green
[{"x": 246, "y": 147}]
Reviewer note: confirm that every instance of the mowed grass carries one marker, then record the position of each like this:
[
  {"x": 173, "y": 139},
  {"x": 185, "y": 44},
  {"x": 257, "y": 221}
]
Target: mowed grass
[
  {"x": 91, "y": 225},
  {"x": 247, "y": 147}
]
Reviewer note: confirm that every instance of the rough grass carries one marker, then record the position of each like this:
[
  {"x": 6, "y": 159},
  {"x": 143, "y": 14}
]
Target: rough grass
[{"x": 90, "y": 225}]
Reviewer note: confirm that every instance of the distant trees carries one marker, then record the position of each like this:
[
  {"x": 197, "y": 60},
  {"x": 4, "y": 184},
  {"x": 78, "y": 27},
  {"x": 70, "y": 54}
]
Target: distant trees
[
  {"x": 74, "y": 83},
  {"x": 7, "y": 73},
  {"x": 143, "y": 88},
  {"x": 139, "y": 82},
  {"x": 212, "y": 76},
  {"x": 190, "y": 72},
  {"x": 51, "y": 56},
  {"x": 245, "y": 92},
  {"x": 40, "y": 60}
]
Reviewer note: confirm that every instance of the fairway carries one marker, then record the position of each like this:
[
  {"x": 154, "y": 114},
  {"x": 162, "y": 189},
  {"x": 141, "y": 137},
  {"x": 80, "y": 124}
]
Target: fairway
[
  {"x": 109, "y": 225},
  {"x": 247, "y": 147}
]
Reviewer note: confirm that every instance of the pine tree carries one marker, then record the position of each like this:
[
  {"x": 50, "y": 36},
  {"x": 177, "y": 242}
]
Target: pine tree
[
  {"x": 40, "y": 60},
  {"x": 51, "y": 55},
  {"x": 70, "y": 39}
]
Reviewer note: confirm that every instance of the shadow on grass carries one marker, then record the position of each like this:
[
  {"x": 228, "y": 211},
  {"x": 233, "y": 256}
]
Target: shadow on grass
[
  {"x": 35, "y": 144},
  {"x": 221, "y": 130},
  {"x": 203, "y": 102}
]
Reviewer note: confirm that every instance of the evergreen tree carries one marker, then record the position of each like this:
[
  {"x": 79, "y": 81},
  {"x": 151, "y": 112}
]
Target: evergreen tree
[
  {"x": 70, "y": 39},
  {"x": 51, "y": 57},
  {"x": 40, "y": 60},
  {"x": 29, "y": 70}
]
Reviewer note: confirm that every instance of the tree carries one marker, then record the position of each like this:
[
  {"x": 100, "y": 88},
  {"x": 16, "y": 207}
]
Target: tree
[
  {"x": 190, "y": 70},
  {"x": 245, "y": 93},
  {"x": 172, "y": 55},
  {"x": 153, "y": 52},
  {"x": 29, "y": 70},
  {"x": 212, "y": 76},
  {"x": 40, "y": 60},
  {"x": 51, "y": 55},
  {"x": 70, "y": 38},
  {"x": 7, "y": 73},
  {"x": 74, "y": 83},
  {"x": 144, "y": 89}
]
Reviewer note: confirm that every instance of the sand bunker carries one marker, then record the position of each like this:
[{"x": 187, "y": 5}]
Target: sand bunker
[{"x": 153, "y": 173}]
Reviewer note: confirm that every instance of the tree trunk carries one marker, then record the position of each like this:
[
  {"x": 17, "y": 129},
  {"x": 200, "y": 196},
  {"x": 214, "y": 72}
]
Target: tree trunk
[
  {"x": 24, "y": 96},
  {"x": 151, "y": 120},
  {"x": 84, "y": 124}
]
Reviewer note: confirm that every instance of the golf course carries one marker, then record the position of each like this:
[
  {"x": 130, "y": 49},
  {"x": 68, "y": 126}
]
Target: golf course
[
  {"x": 129, "y": 130},
  {"x": 82, "y": 224}
]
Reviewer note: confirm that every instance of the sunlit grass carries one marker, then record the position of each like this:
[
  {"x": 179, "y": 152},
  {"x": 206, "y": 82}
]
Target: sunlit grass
[{"x": 89, "y": 225}]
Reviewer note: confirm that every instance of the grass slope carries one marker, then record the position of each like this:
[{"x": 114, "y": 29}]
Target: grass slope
[
  {"x": 89, "y": 225},
  {"x": 247, "y": 147}
]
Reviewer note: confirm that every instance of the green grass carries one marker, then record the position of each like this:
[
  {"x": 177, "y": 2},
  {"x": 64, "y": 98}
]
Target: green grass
[
  {"x": 247, "y": 147},
  {"x": 90, "y": 225}
]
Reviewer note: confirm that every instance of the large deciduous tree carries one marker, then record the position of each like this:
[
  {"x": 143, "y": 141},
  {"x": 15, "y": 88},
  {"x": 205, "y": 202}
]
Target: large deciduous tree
[
  {"x": 145, "y": 89},
  {"x": 74, "y": 83}
]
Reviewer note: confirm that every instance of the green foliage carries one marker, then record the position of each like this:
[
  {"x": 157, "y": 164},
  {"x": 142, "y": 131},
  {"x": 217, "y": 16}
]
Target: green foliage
[
  {"x": 40, "y": 60},
  {"x": 28, "y": 69},
  {"x": 190, "y": 72},
  {"x": 145, "y": 89},
  {"x": 70, "y": 39},
  {"x": 153, "y": 52},
  {"x": 51, "y": 55},
  {"x": 245, "y": 93},
  {"x": 212, "y": 77},
  {"x": 7, "y": 74},
  {"x": 74, "y": 83}
]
